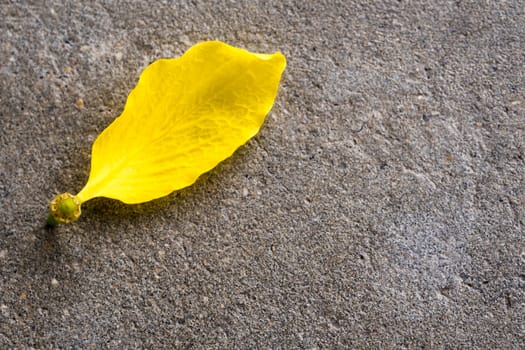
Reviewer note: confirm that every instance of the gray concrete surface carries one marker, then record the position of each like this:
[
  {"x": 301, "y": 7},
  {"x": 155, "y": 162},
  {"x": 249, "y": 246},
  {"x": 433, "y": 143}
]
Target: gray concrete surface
[{"x": 380, "y": 207}]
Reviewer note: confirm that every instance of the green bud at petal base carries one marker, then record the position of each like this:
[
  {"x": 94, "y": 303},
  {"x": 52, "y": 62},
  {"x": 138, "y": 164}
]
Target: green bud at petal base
[{"x": 63, "y": 209}]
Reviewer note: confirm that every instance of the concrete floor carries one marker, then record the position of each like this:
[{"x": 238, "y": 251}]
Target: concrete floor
[{"x": 380, "y": 207}]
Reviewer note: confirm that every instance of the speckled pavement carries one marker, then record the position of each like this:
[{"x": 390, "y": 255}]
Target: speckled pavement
[{"x": 380, "y": 207}]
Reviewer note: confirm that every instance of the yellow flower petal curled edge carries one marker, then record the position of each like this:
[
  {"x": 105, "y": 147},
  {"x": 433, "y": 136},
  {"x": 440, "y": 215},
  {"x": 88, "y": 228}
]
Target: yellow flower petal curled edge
[{"x": 184, "y": 117}]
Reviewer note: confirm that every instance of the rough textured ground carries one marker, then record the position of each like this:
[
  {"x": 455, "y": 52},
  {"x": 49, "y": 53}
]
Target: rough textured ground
[{"x": 381, "y": 205}]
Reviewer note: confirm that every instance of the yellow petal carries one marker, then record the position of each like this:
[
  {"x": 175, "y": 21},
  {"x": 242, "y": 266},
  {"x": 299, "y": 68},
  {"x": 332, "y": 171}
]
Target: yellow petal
[{"x": 184, "y": 117}]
